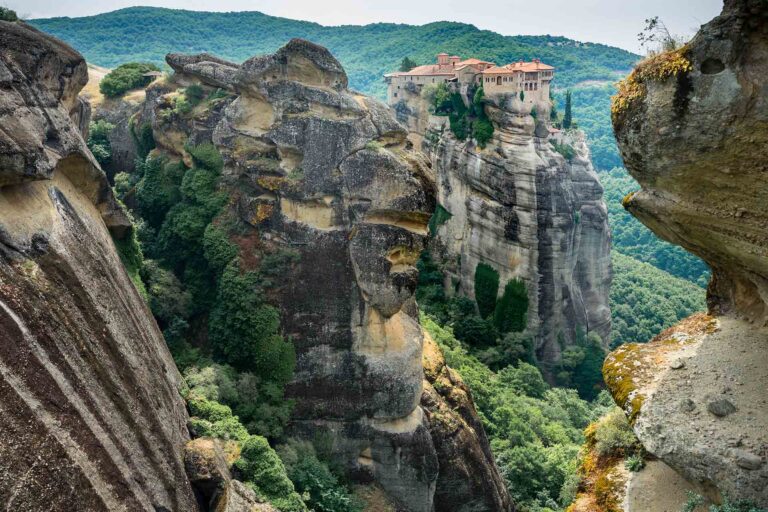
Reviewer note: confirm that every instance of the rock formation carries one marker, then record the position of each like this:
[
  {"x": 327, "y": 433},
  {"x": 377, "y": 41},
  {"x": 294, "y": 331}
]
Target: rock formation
[
  {"x": 316, "y": 169},
  {"x": 692, "y": 126},
  {"x": 521, "y": 207},
  {"x": 91, "y": 415}
]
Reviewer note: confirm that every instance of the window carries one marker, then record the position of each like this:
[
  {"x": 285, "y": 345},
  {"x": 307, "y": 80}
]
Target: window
[
  {"x": 395, "y": 95},
  {"x": 536, "y": 86},
  {"x": 498, "y": 80}
]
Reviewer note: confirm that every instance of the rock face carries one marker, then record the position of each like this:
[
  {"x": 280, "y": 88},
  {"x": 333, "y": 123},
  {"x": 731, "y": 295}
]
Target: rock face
[
  {"x": 316, "y": 169},
  {"x": 522, "y": 208},
  {"x": 91, "y": 414},
  {"x": 692, "y": 127}
]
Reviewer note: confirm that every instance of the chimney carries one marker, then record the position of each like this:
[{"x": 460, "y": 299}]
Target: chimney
[{"x": 442, "y": 59}]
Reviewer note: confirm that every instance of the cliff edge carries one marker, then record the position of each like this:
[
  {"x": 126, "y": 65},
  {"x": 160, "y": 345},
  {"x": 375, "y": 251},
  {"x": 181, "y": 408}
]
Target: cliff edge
[
  {"x": 91, "y": 415},
  {"x": 692, "y": 127}
]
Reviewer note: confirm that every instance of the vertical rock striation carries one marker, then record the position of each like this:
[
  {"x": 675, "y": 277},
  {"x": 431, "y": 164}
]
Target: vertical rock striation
[
  {"x": 692, "y": 126},
  {"x": 521, "y": 207},
  {"x": 90, "y": 413}
]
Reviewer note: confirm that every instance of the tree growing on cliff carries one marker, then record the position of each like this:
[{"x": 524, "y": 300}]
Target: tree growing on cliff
[
  {"x": 407, "y": 64},
  {"x": 511, "y": 310},
  {"x": 568, "y": 116},
  {"x": 486, "y": 288}
]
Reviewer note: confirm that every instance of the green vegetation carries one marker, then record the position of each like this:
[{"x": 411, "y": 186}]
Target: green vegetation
[
  {"x": 407, "y": 64},
  {"x": 126, "y": 77},
  {"x": 462, "y": 120},
  {"x": 510, "y": 312},
  {"x": 98, "y": 140},
  {"x": 646, "y": 300},
  {"x": 486, "y": 288},
  {"x": 314, "y": 479},
  {"x": 568, "y": 116},
  {"x": 440, "y": 217},
  {"x": 695, "y": 500},
  {"x": 632, "y": 238},
  {"x": 8, "y": 14},
  {"x": 564, "y": 149},
  {"x": 535, "y": 431}
]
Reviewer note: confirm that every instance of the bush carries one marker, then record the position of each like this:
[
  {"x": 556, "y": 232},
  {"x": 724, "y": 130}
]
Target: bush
[
  {"x": 564, "y": 149},
  {"x": 159, "y": 189},
  {"x": 482, "y": 131},
  {"x": 218, "y": 250},
  {"x": 511, "y": 310},
  {"x": 167, "y": 297},
  {"x": 194, "y": 94},
  {"x": 206, "y": 156},
  {"x": 98, "y": 140},
  {"x": 613, "y": 435},
  {"x": 634, "y": 463},
  {"x": 8, "y": 15},
  {"x": 126, "y": 77},
  {"x": 261, "y": 467},
  {"x": 143, "y": 138},
  {"x": 486, "y": 289},
  {"x": 475, "y": 331},
  {"x": 314, "y": 479}
]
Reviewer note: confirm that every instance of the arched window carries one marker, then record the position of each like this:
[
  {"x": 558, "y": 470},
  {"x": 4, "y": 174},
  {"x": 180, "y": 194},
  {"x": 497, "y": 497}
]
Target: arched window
[{"x": 498, "y": 80}]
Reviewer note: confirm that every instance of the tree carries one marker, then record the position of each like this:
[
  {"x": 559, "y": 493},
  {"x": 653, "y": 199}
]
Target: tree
[
  {"x": 568, "y": 117},
  {"x": 486, "y": 288},
  {"x": 510, "y": 312},
  {"x": 407, "y": 64},
  {"x": 8, "y": 14},
  {"x": 98, "y": 140}
]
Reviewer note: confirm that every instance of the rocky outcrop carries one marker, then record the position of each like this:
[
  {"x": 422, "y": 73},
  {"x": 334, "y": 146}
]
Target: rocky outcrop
[
  {"x": 533, "y": 215},
  {"x": 692, "y": 127},
  {"x": 468, "y": 479},
  {"x": 321, "y": 172},
  {"x": 91, "y": 415}
]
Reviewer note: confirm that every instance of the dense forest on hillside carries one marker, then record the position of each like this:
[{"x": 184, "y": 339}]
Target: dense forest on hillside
[{"x": 632, "y": 238}]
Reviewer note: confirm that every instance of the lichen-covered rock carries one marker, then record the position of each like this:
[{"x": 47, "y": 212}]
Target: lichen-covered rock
[
  {"x": 91, "y": 415},
  {"x": 521, "y": 207},
  {"x": 692, "y": 126},
  {"x": 323, "y": 173},
  {"x": 468, "y": 479},
  {"x": 237, "y": 497},
  {"x": 205, "y": 462}
]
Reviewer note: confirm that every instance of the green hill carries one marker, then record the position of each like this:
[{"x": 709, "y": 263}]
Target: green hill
[{"x": 367, "y": 52}]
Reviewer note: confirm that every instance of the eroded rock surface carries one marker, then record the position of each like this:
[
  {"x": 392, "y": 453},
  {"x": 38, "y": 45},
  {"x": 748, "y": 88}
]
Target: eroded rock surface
[
  {"x": 314, "y": 168},
  {"x": 692, "y": 127},
  {"x": 521, "y": 207},
  {"x": 91, "y": 416}
]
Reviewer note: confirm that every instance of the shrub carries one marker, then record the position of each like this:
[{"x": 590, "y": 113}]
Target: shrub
[
  {"x": 8, "y": 14},
  {"x": 126, "y": 77},
  {"x": 475, "y": 331},
  {"x": 613, "y": 435},
  {"x": 564, "y": 149},
  {"x": 634, "y": 463},
  {"x": 206, "y": 156},
  {"x": 129, "y": 250},
  {"x": 440, "y": 217},
  {"x": 194, "y": 94},
  {"x": 482, "y": 131},
  {"x": 167, "y": 297},
  {"x": 159, "y": 189},
  {"x": 314, "y": 479},
  {"x": 510, "y": 313},
  {"x": 261, "y": 467},
  {"x": 218, "y": 250},
  {"x": 98, "y": 140},
  {"x": 486, "y": 288}
]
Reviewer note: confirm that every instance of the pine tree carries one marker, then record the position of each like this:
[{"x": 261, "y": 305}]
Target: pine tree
[{"x": 568, "y": 117}]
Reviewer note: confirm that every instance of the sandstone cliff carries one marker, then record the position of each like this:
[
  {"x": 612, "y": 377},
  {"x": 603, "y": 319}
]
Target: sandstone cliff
[
  {"x": 692, "y": 126},
  {"x": 91, "y": 414},
  {"x": 523, "y": 208},
  {"x": 316, "y": 169}
]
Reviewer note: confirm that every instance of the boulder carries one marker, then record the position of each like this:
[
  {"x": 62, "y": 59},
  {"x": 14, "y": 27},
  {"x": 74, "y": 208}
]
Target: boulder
[{"x": 207, "y": 468}]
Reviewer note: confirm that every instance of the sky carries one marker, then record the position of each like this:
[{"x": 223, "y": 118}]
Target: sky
[{"x": 612, "y": 22}]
